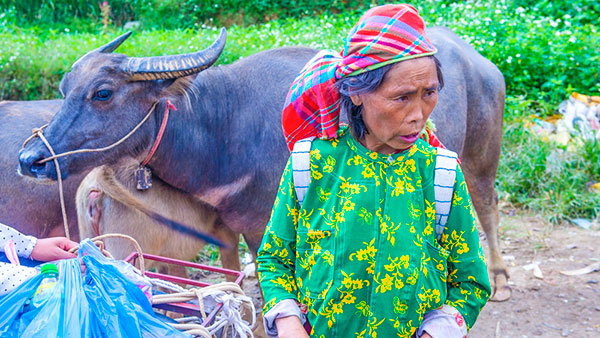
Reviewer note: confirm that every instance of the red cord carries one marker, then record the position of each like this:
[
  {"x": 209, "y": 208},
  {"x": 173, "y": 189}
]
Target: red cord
[{"x": 161, "y": 132}]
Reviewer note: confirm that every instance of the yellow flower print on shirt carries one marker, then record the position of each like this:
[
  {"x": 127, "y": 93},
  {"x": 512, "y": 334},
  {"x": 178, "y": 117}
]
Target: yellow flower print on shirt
[
  {"x": 334, "y": 142},
  {"x": 307, "y": 262},
  {"x": 407, "y": 331},
  {"x": 355, "y": 160},
  {"x": 335, "y": 307},
  {"x": 400, "y": 307},
  {"x": 315, "y": 173},
  {"x": 398, "y": 186},
  {"x": 287, "y": 282},
  {"x": 372, "y": 325},
  {"x": 366, "y": 254},
  {"x": 332, "y": 218},
  {"x": 429, "y": 212},
  {"x": 351, "y": 188},
  {"x": 303, "y": 217},
  {"x": 457, "y": 241},
  {"x": 314, "y": 237},
  {"x": 387, "y": 227},
  {"x": 316, "y": 154},
  {"x": 405, "y": 167},
  {"x": 396, "y": 266},
  {"x": 329, "y": 164},
  {"x": 292, "y": 211},
  {"x": 383, "y": 284}
]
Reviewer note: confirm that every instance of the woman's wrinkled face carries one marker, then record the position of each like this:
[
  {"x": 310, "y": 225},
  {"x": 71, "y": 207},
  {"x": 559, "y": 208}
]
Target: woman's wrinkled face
[{"x": 396, "y": 112}]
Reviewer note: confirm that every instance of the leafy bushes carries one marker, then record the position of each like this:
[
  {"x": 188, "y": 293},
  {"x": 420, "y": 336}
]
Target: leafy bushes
[
  {"x": 170, "y": 14},
  {"x": 545, "y": 49},
  {"x": 543, "y": 57}
]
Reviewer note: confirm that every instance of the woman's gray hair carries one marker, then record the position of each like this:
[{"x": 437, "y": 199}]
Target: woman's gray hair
[{"x": 364, "y": 83}]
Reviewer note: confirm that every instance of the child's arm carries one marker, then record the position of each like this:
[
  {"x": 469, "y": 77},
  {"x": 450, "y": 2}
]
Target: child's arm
[
  {"x": 45, "y": 249},
  {"x": 23, "y": 244}
]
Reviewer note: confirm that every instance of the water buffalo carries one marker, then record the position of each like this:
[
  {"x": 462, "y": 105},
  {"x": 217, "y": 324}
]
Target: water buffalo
[
  {"x": 108, "y": 202},
  {"x": 224, "y": 144},
  {"x": 34, "y": 208}
]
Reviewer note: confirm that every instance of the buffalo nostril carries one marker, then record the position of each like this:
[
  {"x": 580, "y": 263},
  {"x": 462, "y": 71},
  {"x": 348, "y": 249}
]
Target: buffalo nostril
[
  {"x": 37, "y": 167},
  {"x": 29, "y": 163}
]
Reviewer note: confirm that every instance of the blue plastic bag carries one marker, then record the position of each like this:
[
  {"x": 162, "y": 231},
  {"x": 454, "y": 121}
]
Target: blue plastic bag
[
  {"x": 118, "y": 306},
  {"x": 65, "y": 313},
  {"x": 99, "y": 303},
  {"x": 12, "y": 304}
]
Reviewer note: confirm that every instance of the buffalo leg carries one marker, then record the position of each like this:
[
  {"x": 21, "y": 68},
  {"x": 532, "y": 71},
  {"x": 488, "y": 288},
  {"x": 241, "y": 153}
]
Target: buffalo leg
[
  {"x": 485, "y": 201},
  {"x": 230, "y": 258},
  {"x": 253, "y": 240}
]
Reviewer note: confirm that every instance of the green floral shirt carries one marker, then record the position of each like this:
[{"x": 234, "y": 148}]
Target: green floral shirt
[{"x": 361, "y": 252}]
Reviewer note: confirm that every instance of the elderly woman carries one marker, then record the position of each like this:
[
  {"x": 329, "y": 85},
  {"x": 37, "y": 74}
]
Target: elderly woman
[{"x": 353, "y": 250}]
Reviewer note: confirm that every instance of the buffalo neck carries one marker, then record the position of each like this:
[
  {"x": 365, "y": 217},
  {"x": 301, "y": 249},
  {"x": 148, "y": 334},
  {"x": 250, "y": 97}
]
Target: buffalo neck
[{"x": 201, "y": 146}]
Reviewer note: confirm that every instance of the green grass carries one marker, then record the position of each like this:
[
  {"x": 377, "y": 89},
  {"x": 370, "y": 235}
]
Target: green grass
[
  {"x": 33, "y": 60},
  {"x": 210, "y": 255},
  {"x": 543, "y": 58},
  {"x": 545, "y": 50}
]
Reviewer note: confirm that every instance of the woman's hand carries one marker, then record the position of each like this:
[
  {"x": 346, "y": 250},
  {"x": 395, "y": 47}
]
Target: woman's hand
[
  {"x": 425, "y": 335},
  {"x": 50, "y": 249},
  {"x": 290, "y": 327}
]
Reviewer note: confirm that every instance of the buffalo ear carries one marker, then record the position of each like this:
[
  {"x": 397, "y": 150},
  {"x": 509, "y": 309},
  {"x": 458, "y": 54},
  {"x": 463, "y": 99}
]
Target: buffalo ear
[
  {"x": 163, "y": 84},
  {"x": 155, "y": 89},
  {"x": 177, "y": 87},
  {"x": 182, "y": 86}
]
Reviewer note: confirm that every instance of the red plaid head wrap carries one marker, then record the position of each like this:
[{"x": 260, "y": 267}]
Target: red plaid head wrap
[{"x": 383, "y": 35}]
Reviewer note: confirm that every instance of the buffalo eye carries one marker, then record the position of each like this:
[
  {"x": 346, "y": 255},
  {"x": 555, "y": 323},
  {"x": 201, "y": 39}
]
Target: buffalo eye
[{"x": 102, "y": 95}]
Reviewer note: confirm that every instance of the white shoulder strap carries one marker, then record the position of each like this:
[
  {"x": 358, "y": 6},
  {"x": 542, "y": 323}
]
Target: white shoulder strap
[
  {"x": 444, "y": 178},
  {"x": 301, "y": 167},
  {"x": 443, "y": 185}
]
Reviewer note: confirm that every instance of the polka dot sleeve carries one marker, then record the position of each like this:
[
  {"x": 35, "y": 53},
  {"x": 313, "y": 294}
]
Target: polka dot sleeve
[
  {"x": 23, "y": 244},
  {"x": 11, "y": 276}
]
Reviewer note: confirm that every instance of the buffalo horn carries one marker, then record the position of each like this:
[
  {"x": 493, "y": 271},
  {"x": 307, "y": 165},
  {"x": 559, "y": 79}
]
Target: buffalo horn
[
  {"x": 114, "y": 44},
  {"x": 174, "y": 66},
  {"x": 108, "y": 48}
]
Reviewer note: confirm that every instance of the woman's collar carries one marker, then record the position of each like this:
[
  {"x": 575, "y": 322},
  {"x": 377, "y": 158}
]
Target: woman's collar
[{"x": 357, "y": 147}]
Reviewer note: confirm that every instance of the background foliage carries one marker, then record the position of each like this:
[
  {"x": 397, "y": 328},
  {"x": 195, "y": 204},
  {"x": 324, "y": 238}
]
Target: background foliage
[
  {"x": 545, "y": 49},
  {"x": 193, "y": 13}
]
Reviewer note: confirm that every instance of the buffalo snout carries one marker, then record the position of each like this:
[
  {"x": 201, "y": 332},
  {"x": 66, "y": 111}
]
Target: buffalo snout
[{"x": 30, "y": 165}]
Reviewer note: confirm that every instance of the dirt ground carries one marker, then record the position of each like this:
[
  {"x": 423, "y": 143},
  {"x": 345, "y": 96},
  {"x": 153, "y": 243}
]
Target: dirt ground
[{"x": 555, "y": 305}]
